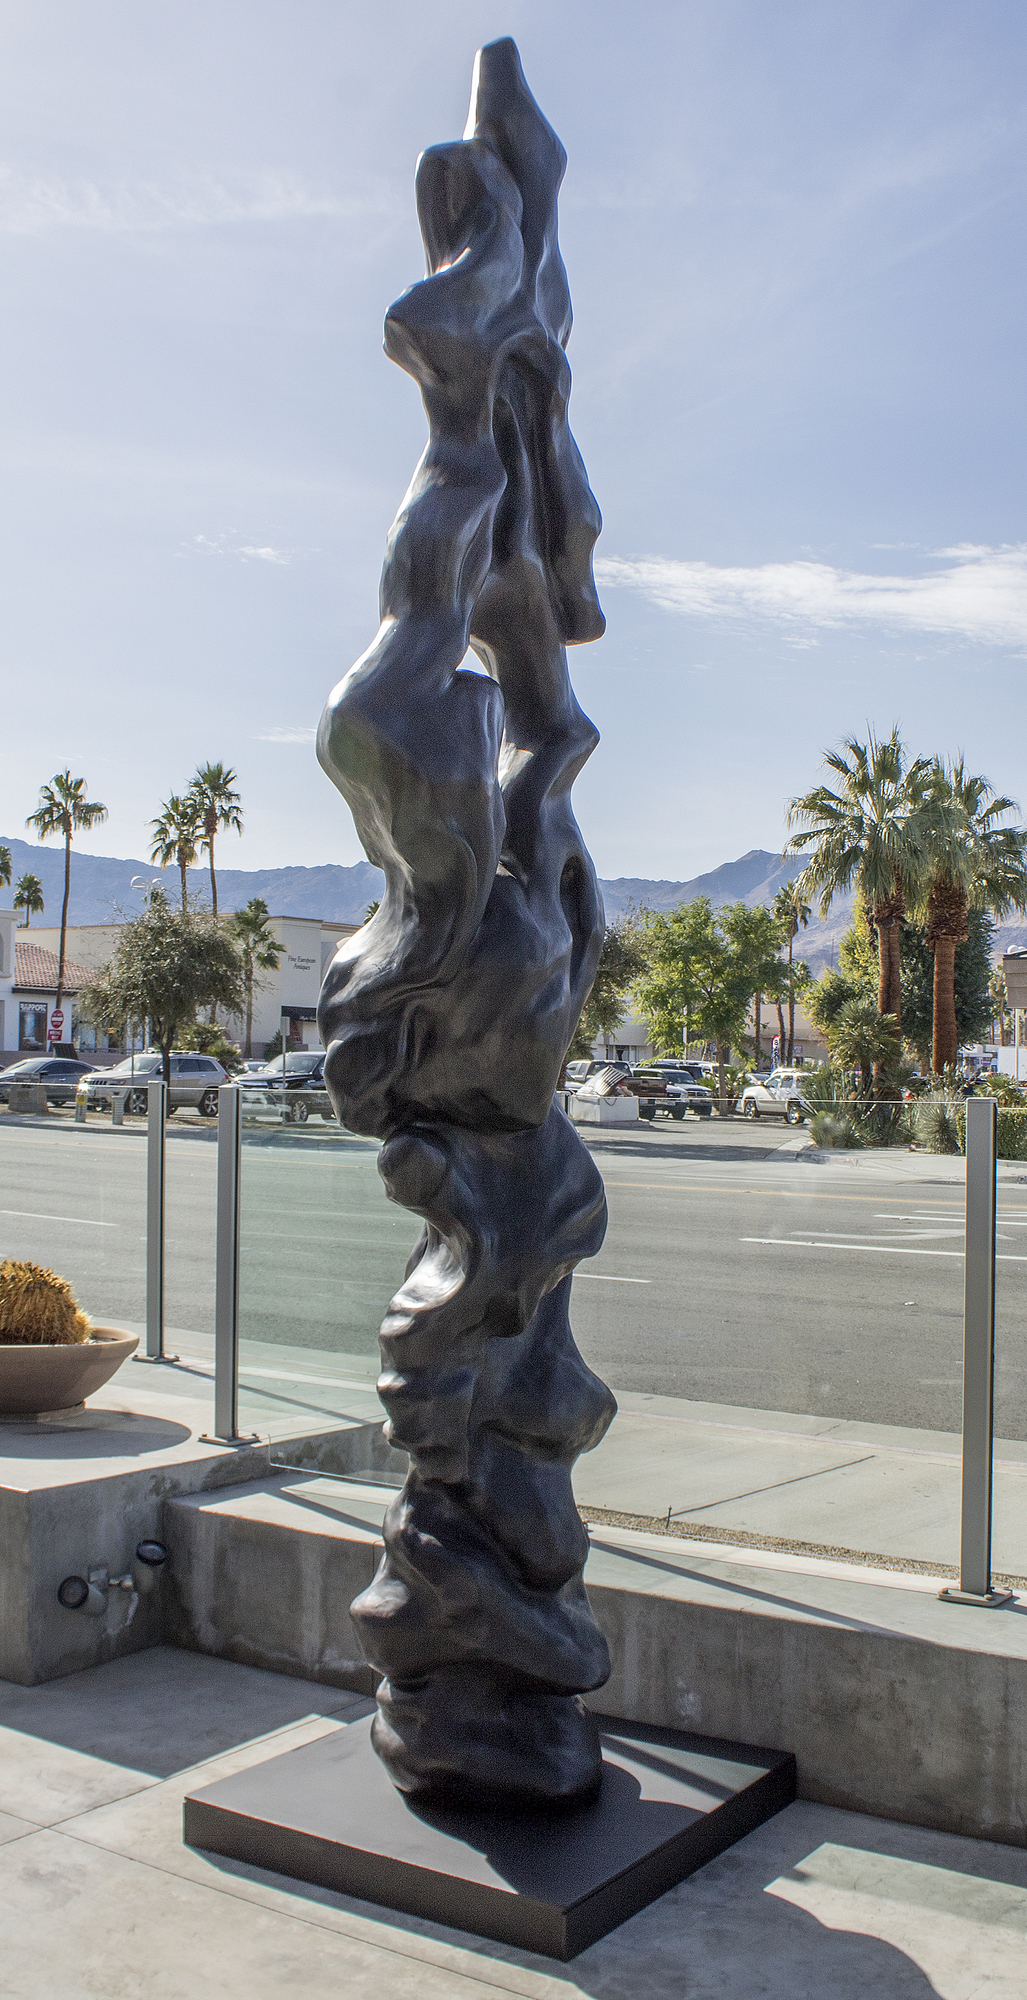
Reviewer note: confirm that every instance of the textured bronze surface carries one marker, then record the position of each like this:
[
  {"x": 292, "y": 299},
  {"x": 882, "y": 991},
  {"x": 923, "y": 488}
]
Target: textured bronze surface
[{"x": 447, "y": 1017}]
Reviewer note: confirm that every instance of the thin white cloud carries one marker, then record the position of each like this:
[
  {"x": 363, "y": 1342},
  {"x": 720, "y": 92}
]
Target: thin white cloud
[
  {"x": 981, "y": 595},
  {"x": 288, "y": 734},
  {"x": 31, "y": 205},
  {"x": 222, "y": 545}
]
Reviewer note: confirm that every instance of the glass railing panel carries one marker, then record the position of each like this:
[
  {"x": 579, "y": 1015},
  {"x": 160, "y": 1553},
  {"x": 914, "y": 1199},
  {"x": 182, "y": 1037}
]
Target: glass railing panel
[
  {"x": 782, "y": 1325},
  {"x": 73, "y": 1198},
  {"x": 322, "y": 1250}
]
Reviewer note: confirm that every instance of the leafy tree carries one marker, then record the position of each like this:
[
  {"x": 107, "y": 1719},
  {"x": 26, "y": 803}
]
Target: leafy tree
[
  {"x": 259, "y": 950},
  {"x": 28, "y": 896},
  {"x": 972, "y": 976},
  {"x": 63, "y": 808},
  {"x": 707, "y": 963},
  {"x": 791, "y": 911},
  {"x": 176, "y": 837},
  {"x": 211, "y": 1041},
  {"x": 165, "y": 965},
  {"x": 856, "y": 977},
  {"x": 861, "y": 1038},
  {"x": 755, "y": 936},
  {"x": 971, "y": 861},
  {"x": 217, "y": 810},
  {"x": 866, "y": 834},
  {"x": 5, "y": 866},
  {"x": 621, "y": 961}
]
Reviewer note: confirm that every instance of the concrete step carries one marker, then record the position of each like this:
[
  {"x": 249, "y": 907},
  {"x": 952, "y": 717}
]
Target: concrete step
[
  {"x": 264, "y": 1574},
  {"x": 894, "y": 1702}
]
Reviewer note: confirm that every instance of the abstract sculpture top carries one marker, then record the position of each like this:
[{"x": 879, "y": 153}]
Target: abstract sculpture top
[
  {"x": 447, "y": 1017},
  {"x": 461, "y": 997}
]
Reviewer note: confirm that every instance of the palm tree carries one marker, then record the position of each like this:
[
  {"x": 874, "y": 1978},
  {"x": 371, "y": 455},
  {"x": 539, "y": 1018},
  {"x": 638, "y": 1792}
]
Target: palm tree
[
  {"x": 861, "y": 1038},
  {"x": 5, "y": 866},
  {"x": 63, "y": 808},
  {"x": 790, "y": 911},
  {"x": 970, "y": 862},
  {"x": 259, "y": 950},
  {"x": 176, "y": 835},
  {"x": 866, "y": 833},
  {"x": 217, "y": 809},
  {"x": 28, "y": 896}
]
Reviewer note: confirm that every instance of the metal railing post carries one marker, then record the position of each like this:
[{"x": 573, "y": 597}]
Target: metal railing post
[
  {"x": 156, "y": 1124},
  {"x": 978, "y": 1361},
  {"x": 226, "y": 1273}
]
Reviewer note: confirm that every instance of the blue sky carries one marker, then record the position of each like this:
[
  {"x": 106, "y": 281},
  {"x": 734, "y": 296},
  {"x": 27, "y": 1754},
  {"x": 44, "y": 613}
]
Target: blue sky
[{"x": 794, "y": 236}]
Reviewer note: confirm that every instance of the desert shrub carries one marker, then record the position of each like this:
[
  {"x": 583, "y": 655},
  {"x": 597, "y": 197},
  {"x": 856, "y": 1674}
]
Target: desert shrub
[
  {"x": 38, "y": 1307},
  {"x": 834, "y": 1128},
  {"x": 888, "y": 1123},
  {"x": 940, "y": 1122}
]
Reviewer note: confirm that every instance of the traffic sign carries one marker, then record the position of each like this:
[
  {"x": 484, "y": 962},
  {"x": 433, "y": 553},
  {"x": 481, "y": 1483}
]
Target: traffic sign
[
  {"x": 53, "y": 1034},
  {"x": 57, "y": 1018}
]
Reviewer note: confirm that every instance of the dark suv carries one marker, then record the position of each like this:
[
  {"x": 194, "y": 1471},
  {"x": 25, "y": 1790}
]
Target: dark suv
[{"x": 60, "y": 1074}]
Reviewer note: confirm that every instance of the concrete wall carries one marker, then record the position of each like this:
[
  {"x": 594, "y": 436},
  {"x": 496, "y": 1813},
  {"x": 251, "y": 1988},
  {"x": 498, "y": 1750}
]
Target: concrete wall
[
  {"x": 892, "y": 1702},
  {"x": 58, "y": 1526}
]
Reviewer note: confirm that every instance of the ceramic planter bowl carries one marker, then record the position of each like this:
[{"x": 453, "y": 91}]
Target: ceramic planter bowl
[{"x": 40, "y": 1380}]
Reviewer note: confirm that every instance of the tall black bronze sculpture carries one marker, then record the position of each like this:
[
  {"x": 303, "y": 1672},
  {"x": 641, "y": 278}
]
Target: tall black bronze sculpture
[
  {"x": 446, "y": 1020},
  {"x": 448, "y": 1016}
]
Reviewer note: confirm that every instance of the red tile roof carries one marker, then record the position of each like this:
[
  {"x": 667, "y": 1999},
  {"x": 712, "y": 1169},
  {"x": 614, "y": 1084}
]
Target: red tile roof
[{"x": 36, "y": 968}]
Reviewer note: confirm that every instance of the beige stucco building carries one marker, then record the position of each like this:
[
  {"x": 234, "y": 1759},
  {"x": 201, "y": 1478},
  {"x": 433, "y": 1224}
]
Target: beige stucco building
[{"x": 28, "y": 982}]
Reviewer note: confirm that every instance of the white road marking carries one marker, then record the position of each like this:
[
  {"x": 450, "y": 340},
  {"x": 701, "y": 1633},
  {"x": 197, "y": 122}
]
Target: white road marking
[
  {"x": 605, "y": 1278},
  {"x": 31, "y": 1215},
  {"x": 881, "y": 1249}
]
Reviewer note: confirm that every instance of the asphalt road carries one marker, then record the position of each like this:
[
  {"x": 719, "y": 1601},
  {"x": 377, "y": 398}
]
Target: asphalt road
[{"x": 731, "y": 1273}]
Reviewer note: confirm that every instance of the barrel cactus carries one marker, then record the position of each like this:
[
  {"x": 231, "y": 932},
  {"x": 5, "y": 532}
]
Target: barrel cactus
[{"x": 38, "y": 1307}]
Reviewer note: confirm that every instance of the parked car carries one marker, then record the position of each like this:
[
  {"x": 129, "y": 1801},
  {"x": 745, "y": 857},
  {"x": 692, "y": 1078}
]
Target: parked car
[
  {"x": 194, "y": 1082},
  {"x": 60, "y": 1074},
  {"x": 697, "y": 1096},
  {"x": 778, "y": 1095},
  {"x": 659, "y": 1089},
  {"x": 676, "y": 1069},
  {"x": 302, "y": 1085},
  {"x": 577, "y": 1073},
  {"x": 299, "y": 1068}
]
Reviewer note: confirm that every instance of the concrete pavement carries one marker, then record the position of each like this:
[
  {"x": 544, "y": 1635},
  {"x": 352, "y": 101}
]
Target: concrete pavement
[{"x": 103, "y": 1902}]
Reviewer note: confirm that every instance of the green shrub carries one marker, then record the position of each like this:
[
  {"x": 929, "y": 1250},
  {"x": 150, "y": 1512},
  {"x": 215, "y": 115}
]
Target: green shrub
[
  {"x": 1012, "y": 1134},
  {"x": 1004, "y": 1088},
  {"x": 210, "y": 1039}
]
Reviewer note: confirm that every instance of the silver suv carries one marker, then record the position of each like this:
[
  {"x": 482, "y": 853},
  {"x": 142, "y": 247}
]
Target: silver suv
[{"x": 194, "y": 1081}]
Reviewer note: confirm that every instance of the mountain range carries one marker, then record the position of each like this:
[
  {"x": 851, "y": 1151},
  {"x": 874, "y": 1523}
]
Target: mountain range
[{"x": 101, "y": 890}]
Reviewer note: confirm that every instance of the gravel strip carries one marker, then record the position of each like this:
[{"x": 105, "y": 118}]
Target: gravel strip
[{"x": 739, "y": 1538}]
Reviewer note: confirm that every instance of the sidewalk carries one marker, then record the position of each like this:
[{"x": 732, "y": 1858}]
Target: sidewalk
[
  {"x": 758, "y": 1478},
  {"x": 766, "y": 1477},
  {"x": 103, "y": 1902}
]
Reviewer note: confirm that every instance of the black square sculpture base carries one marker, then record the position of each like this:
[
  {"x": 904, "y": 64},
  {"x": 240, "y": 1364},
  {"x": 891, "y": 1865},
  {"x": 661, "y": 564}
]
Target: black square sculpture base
[{"x": 553, "y": 1883}]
